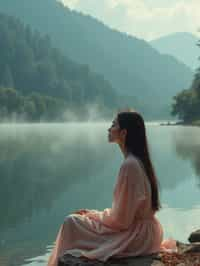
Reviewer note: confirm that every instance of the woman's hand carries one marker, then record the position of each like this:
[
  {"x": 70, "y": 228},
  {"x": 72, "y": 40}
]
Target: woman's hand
[{"x": 82, "y": 211}]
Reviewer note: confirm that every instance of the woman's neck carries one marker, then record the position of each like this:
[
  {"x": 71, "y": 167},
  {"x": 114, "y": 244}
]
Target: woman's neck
[{"x": 124, "y": 150}]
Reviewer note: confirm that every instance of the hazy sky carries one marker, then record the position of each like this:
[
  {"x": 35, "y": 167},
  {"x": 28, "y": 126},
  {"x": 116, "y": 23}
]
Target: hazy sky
[{"x": 146, "y": 19}]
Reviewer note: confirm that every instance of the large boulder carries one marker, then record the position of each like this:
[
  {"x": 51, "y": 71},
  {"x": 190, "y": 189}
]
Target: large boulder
[
  {"x": 68, "y": 260},
  {"x": 195, "y": 236},
  {"x": 188, "y": 248}
]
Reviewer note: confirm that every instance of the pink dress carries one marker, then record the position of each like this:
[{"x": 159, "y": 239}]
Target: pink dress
[{"x": 128, "y": 228}]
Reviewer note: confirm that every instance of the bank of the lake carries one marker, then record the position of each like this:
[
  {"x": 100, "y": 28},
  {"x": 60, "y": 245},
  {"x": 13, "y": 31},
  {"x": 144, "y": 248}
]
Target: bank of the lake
[
  {"x": 185, "y": 255},
  {"x": 181, "y": 123}
]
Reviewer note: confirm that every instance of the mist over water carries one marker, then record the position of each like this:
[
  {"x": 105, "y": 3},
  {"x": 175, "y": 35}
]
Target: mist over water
[
  {"x": 50, "y": 170},
  {"x": 90, "y": 113}
]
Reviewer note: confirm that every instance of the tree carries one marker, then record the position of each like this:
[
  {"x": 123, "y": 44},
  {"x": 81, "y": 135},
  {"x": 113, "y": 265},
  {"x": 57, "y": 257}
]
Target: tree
[
  {"x": 35, "y": 70},
  {"x": 10, "y": 99},
  {"x": 186, "y": 104},
  {"x": 6, "y": 78}
]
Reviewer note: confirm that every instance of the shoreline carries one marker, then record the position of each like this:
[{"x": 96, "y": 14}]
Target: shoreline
[
  {"x": 186, "y": 255},
  {"x": 193, "y": 124}
]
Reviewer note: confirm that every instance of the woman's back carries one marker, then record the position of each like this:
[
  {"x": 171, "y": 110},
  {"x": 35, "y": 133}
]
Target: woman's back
[{"x": 141, "y": 183}]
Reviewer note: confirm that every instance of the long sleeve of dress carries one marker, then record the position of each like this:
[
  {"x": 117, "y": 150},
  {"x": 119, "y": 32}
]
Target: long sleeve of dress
[{"x": 128, "y": 196}]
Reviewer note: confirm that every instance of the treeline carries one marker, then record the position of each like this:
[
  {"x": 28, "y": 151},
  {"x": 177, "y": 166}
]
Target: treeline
[
  {"x": 32, "y": 107},
  {"x": 43, "y": 81},
  {"x": 187, "y": 103}
]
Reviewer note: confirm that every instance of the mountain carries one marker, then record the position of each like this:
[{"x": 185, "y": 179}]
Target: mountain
[
  {"x": 181, "y": 45},
  {"x": 139, "y": 73},
  {"x": 36, "y": 79}
]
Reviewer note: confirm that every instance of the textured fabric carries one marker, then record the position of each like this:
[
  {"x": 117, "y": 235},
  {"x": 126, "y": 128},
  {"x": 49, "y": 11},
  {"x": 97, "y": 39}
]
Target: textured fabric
[{"x": 128, "y": 228}]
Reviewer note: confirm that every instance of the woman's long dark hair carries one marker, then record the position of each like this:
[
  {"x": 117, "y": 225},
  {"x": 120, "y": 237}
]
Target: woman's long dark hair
[{"x": 136, "y": 143}]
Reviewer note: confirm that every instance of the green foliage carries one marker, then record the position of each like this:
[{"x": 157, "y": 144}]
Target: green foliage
[
  {"x": 130, "y": 64},
  {"x": 186, "y": 106},
  {"x": 33, "y": 107},
  {"x": 40, "y": 73},
  {"x": 187, "y": 103}
]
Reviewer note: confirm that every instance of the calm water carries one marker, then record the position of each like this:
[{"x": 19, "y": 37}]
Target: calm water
[{"x": 48, "y": 171}]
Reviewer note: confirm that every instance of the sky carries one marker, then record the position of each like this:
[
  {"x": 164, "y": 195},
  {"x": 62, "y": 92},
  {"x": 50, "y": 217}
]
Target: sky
[{"x": 146, "y": 19}]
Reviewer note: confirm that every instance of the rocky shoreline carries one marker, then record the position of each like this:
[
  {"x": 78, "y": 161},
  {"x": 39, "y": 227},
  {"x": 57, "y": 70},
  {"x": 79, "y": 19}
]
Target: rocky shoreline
[
  {"x": 171, "y": 124},
  {"x": 187, "y": 255},
  {"x": 193, "y": 124}
]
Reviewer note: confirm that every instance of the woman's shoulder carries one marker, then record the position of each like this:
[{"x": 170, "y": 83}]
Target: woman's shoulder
[
  {"x": 130, "y": 162},
  {"x": 133, "y": 169}
]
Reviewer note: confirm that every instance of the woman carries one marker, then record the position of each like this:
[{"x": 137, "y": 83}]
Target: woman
[{"x": 129, "y": 227}]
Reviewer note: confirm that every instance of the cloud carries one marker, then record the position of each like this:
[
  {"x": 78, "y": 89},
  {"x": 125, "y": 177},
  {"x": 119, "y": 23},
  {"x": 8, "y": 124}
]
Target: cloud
[{"x": 140, "y": 18}]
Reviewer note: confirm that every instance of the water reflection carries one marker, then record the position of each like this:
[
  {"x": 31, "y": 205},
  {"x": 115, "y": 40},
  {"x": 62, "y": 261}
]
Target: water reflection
[
  {"x": 187, "y": 145},
  {"x": 176, "y": 174},
  {"x": 38, "y": 164},
  {"x": 48, "y": 171},
  {"x": 170, "y": 169}
]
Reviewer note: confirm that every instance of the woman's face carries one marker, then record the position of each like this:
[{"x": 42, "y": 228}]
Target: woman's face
[{"x": 114, "y": 132}]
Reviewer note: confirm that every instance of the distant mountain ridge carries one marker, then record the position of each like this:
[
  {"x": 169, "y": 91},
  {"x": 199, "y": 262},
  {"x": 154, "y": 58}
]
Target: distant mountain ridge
[
  {"x": 181, "y": 45},
  {"x": 131, "y": 65}
]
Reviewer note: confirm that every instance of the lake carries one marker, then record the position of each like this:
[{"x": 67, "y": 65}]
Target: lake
[{"x": 48, "y": 171}]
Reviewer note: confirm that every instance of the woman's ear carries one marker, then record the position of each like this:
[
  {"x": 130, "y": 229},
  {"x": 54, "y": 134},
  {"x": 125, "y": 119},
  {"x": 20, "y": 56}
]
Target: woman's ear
[{"x": 124, "y": 133}]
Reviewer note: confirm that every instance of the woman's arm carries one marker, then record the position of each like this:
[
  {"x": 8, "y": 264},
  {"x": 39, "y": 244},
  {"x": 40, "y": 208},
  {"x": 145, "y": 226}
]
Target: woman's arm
[{"x": 128, "y": 196}]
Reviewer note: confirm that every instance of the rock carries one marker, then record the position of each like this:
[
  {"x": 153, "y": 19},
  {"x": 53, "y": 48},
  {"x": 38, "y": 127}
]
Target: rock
[
  {"x": 69, "y": 260},
  {"x": 188, "y": 254},
  {"x": 194, "y": 237},
  {"x": 188, "y": 248},
  {"x": 194, "y": 248},
  {"x": 157, "y": 263}
]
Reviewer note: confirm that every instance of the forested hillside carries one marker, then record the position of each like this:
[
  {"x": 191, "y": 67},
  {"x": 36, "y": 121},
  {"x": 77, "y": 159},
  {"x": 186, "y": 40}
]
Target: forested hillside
[
  {"x": 132, "y": 66},
  {"x": 37, "y": 81},
  {"x": 187, "y": 103}
]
